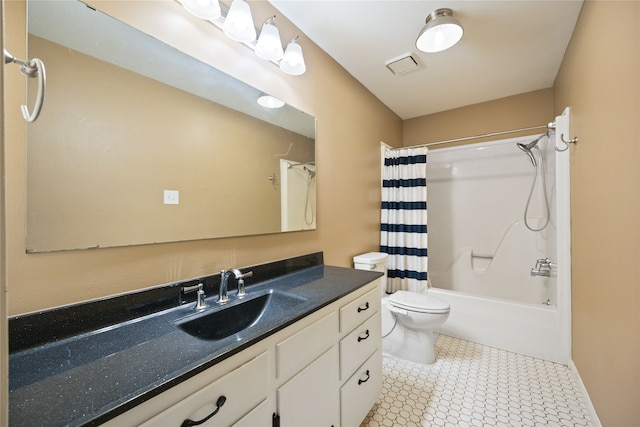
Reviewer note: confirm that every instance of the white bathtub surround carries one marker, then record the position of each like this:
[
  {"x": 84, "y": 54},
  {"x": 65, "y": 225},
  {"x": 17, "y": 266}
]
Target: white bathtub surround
[
  {"x": 481, "y": 253},
  {"x": 475, "y": 385},
  {"x": 478, "y": 241}
]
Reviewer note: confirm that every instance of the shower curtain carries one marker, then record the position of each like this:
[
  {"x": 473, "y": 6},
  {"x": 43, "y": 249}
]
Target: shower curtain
[{"x": 403, "y": 222}]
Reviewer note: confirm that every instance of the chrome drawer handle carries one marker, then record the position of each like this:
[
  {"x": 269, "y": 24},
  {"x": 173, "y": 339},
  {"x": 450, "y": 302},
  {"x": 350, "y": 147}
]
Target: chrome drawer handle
[
  {"x": 219, "y": 403},
  {"x": 366, "y": 379},
  {"x": 365, "y": 337},
  {"x": 366, "y": 307}
]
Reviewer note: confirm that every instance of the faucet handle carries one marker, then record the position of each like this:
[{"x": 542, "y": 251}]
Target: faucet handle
[
  {"x": 200, "y": 295},
  {"x": 189, "y": 289},
  {"x": 240, "y": 275}
]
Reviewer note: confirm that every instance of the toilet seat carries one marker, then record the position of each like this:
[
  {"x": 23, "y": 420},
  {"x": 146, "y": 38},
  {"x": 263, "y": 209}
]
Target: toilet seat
[{"x": 418, "y": 302}]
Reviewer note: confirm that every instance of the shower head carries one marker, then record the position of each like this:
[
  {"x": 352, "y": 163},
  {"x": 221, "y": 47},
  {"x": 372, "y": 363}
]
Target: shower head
[
  {"x": 530, "y": 146},
  {"x": 311, "y": 172},
  {"x": 528, "y": 152}
]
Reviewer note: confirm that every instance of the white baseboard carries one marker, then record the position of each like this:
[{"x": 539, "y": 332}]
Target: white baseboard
[{"x": 587, "y": 400}]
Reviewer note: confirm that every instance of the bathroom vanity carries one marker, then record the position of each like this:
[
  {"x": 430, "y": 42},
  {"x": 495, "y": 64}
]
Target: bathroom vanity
[{"x": 312, "y": 355}]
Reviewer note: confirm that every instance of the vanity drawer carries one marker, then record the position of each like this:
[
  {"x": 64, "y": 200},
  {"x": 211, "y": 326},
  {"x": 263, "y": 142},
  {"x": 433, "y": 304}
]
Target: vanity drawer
[
  {"x": 300, "y": 349},
  {"x": 359, "y": 310},
  {"x": 244, "y": 388},
  {"x": 361, "y": 391},
  {"x": 258, "y": 416},
  {"x": 359, "y": 344}
]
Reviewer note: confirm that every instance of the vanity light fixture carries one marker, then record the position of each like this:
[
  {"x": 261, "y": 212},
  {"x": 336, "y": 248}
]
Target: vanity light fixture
[
  {"x": 269, "y": 101},
  {"x": 269, "y": 46},
  {"x": 204, "y": 9},
  {"x": 441, "y": 31},
  {"x": 293, "y": 61},
  {"x": 238, "y": 24}
]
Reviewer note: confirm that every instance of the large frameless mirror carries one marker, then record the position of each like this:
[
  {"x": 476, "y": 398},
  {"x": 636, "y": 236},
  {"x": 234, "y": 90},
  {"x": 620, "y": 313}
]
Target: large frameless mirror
[{"x": 139, "y": 143}]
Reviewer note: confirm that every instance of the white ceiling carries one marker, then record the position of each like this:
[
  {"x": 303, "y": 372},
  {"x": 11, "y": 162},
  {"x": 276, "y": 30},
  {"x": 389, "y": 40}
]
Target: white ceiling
[{"x": 508, "y": 47}]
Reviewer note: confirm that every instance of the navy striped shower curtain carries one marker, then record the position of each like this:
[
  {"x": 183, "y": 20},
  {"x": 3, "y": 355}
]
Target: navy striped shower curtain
[{"x": 403, "y": 223}]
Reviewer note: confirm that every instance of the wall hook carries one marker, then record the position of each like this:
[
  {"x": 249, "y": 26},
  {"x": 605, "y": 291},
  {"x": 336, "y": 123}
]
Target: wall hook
[
  {"x": 573, "y": 140},
  {"x": 31, "y": 68}
]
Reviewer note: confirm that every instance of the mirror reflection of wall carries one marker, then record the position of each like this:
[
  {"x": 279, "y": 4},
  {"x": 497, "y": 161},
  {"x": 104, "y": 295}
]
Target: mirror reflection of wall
[{"x": 110, "y": 142}]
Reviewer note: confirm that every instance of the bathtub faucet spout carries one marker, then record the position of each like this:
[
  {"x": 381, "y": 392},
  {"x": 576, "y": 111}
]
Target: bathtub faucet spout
[{"x": 543, "y": 267}]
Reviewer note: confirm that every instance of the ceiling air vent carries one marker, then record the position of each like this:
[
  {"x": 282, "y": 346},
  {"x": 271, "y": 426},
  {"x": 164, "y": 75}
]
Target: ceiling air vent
[{"x": 402, "y": 64}]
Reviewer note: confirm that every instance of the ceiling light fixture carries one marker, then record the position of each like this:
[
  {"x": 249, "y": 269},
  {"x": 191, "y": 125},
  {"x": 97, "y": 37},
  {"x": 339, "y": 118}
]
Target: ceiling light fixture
[
  {"x": 237, "y": 24},
  {"x": 293, "y": 61},
  {"x": 441, "y": 31}
]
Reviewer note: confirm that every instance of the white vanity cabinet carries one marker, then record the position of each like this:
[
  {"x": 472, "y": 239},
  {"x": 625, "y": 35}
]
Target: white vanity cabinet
[{"x": 324, "y": 370}]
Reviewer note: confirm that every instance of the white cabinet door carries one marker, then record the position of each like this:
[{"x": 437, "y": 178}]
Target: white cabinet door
[
  {"x": 311, "y": 398},
  {"x": 361, "y": 391}
]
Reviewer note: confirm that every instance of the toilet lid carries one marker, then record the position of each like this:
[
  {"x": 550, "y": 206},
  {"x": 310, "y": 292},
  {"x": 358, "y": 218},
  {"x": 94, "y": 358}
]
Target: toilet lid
[{"x": 419, "y": 302}]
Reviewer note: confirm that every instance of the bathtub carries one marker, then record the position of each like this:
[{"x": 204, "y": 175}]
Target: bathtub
[{"x": 529, "y": 329}]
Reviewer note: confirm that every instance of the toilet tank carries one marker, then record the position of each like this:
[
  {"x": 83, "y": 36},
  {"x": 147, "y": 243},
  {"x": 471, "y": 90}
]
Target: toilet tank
[{"x": 373, "y": 261}]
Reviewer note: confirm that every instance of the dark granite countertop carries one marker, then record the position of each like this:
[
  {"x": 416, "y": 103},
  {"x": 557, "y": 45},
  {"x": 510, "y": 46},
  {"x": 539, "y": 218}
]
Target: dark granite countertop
[{"x": 67, "y": 368}]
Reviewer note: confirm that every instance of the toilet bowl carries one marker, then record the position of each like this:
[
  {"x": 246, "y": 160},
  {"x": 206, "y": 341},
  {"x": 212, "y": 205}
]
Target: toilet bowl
[{"x": 408, "y": 320}]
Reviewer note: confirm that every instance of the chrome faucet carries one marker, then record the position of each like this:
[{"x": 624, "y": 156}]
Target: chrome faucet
[
  {"x": 543, "y": 267},
  {"x": 200, "y": 303},
  {"x": 224, "y": 283}
]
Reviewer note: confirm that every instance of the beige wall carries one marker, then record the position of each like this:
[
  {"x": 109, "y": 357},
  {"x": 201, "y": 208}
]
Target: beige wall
[
  {"x": 514, "y": 112},
  {"x": 600, "y": 80},
  {"x": 350, "y": 125}
]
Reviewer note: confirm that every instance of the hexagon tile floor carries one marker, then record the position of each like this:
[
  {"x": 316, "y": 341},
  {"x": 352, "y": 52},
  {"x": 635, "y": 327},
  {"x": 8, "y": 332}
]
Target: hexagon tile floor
[{"x": 475, "y": 385}]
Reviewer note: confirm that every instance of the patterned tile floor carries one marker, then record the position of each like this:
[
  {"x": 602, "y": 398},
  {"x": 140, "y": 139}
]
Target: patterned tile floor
[{"x": 475, "y": 385}]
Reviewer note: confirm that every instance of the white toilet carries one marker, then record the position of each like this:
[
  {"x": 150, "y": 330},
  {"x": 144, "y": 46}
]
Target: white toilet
[{"x": 408, "y": 318}]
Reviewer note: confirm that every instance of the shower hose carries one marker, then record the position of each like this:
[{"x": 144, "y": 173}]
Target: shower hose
[{"x": 544, "y": 192}]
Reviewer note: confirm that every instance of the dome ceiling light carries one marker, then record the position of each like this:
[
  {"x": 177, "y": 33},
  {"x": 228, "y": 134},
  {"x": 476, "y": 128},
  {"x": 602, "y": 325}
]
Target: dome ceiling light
[{"x": 441, "y": 31}]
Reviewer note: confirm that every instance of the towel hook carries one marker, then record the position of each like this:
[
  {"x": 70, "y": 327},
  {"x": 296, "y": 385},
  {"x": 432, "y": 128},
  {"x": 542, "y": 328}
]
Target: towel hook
[
  {"x": 573, "y": 140},
  {"x": 31, "y": 68}
]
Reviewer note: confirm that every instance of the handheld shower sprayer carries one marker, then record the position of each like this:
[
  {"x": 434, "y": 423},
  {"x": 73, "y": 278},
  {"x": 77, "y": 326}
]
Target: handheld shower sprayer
[{"x": 526, "y": 148}]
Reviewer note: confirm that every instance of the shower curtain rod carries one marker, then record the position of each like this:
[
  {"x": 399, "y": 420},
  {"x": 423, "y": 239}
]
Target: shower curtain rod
[{"x": 551, "y": 125}]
